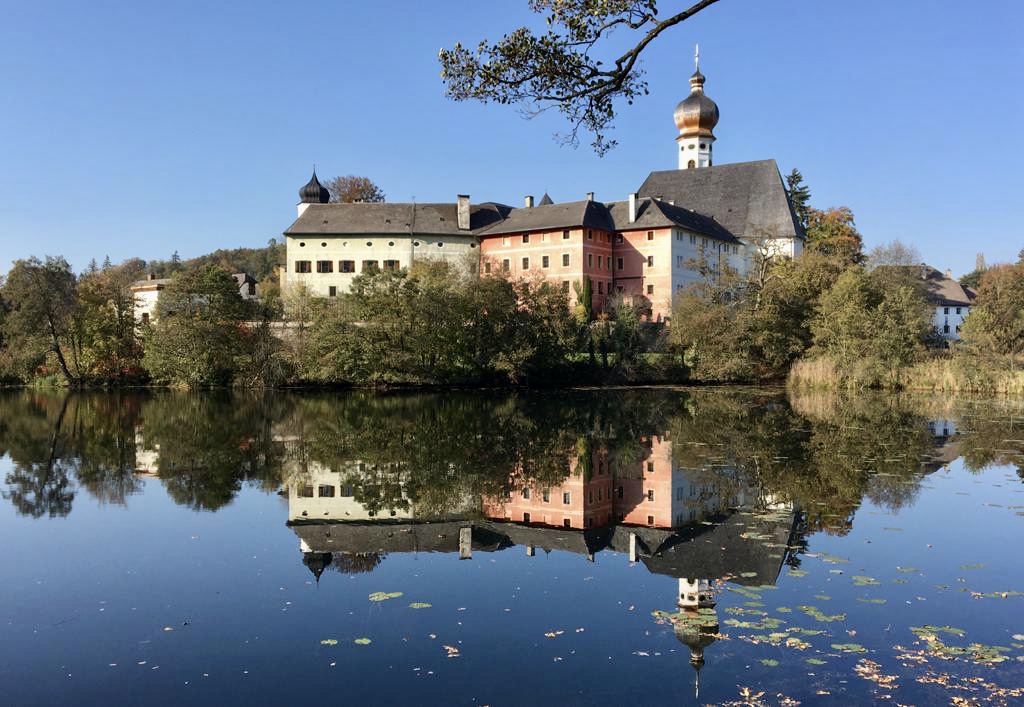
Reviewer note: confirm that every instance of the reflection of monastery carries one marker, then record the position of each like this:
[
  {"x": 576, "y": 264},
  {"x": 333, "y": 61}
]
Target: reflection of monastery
[{"x": 694, "y": 525}]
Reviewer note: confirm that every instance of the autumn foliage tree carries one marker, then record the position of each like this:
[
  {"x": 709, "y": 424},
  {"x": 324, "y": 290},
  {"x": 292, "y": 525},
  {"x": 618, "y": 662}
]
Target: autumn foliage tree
[{"x": 351, "y": 188}]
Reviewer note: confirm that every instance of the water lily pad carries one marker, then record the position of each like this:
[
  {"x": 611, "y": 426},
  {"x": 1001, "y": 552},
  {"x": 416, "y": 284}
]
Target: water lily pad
[
  {"x": 975, "y": 566},
  {"x": 420, "y": 605},
  {"x": 849, "y": 647},
  {"x": 329, "y": 642},
  {"x": 797, "y": 573},
  {"x": 363, "y": 641},
  {"x": 815, "y": 661},
  {"x": 382, "y": 596},
  {"x": 862, "y": 580},
  {"x": 871, "y": 601},
  {"x": 769, "y": 662}
]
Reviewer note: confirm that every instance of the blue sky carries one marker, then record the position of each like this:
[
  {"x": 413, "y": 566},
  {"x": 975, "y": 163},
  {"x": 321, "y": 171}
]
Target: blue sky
[{"x": 138, "y": 129}]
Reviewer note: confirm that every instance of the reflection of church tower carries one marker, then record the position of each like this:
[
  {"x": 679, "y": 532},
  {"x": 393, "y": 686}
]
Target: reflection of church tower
[
  {"x": 696, "y": 637},
  {"x": 696, "y": 117},
  {"x": 699, "y": 630}
]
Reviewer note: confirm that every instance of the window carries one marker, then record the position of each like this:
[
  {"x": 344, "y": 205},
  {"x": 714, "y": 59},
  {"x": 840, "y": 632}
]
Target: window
[
  {"x": 546, "y": 496},
  {"x": 487, "y": 268},
  {"x": 618, "y": 263},
  {"x": 565, "y": 285},
  {"x": 302, "y": 244},
  {"x": 650, "y": 467},
  {"x": 391, "y": 265},
  {"x": 566, "y": 498},
  {"x": 590, "y": 235},
  {"x": 680, "y": 261},
  {"x": 945, "y": 310},
  {"x": 545, "y": 262},
  {"x": 505, "y": 240},
  {"x": 650, "y": 494},
  {"x": 650, "y": 289},
  {"x": 566, "y": 523},
  {"x": 370, "y": 265},
  {"x": 735, "y": 249},
  {"x": 346, "y": 491},
  {"x": 693, "y": 239},
  {"x": 526, "y": 517},
  {"x": 703, "y": 242},
  {"x": 145, "y": 317},
  {"x": 526, "y": 238},
  {"x": 506, "y": 264},
  {"x": 565, "y": 260},
  {"x": 618, "y": 238},
  {"x": 958, "y": 310},
  {"x": 691, "y": 164},
  {"x": 332, "y": 291},
  {"x": 526, "y": 493},
  {"x": 590, "y": 260},
  {"x": 590, "y": 522},
  {"x": 346, "y": 266},
  {"x": 526, "y": 263},
  {"x": 680, "y": 494},
  {"x": 945, "y": 329},
  {"x": 325, "y": 491},
  {"x": 620, "y": 492},
  {"x": 303, "y": 266},
  {"x": 650, "y": 261},
  {"x": 650, "y": 235},
  {"x": 543, "y": 238},
  {"x": 306, "y": 492},
  {"x": 650, "y": 520},
  {"x": 325, "y": 266},
  {"x": 565, "y": 235},
  {"x": 600, "y": 287},
  {"x": 599, "y": 262}
]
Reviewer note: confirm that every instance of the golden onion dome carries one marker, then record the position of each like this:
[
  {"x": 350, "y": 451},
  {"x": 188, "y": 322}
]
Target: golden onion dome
[{"x": 696, "y": 115}]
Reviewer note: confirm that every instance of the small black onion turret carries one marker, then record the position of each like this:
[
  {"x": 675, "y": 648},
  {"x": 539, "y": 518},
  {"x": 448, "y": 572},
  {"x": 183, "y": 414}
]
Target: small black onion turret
[{"x": 314, "y": 192}]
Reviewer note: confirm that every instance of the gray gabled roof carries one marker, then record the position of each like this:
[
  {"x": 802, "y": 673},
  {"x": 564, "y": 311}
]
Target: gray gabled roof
[
  {"x": 551, "y": 217},
  {"x": 392, "y": 218},
  {"x": 945, "y": 291},
  {"x": 747, "y": 198},
  {"x": 652, "y": 213}
]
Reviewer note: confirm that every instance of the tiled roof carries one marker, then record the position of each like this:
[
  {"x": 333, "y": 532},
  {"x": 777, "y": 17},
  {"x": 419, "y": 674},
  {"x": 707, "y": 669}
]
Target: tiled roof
[
  {"x": 652, "y": 213},
  {"x": 747, "y": 198},
  {"x": 392, "y": 218},
  {"x": 570, "y": 214}
]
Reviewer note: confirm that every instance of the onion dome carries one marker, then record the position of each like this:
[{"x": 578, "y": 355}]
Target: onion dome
[
  {"x": 696, "y": 115},
  {"x": 314, "y": 192}
]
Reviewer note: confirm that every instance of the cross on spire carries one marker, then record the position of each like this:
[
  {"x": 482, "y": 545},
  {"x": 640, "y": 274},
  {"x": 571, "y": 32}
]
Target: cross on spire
[{"x": 696, "y": 56}]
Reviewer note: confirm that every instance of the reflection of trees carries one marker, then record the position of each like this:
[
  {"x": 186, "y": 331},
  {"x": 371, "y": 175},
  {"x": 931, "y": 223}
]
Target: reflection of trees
[
  {"x": 209, "y": 443},
  {"x": 55, "y": 440},
  {"x": 441, "y": 452},
  {"x": 356, "y": 562}
]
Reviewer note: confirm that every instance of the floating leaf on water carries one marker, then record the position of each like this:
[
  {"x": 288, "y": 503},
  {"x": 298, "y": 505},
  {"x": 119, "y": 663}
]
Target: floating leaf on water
[
  {"x": 769, "y": 662},
  {"x": 929, "y": 630},
  {"x": 975, "y": 566},
  {"x": 907, "y": 569},
  {"x": 1018, "y": 636},
  {"x": 849, "y": 647},
  {"x": 822, "y": 597},
  {"x": 816, "y": 613},
  {"x": 420, "y": 605},
  {"x": 815, "y": 661},
  {"x": 833, "y": 560},
  {"x": 871, "y": 601},
  {"x": 381, "y": 596},
  {"x": 363, "y": 641},
  {"x": 329, "y": 642},
  {"x": 797, "y": 573},
  {"x": 784, "y": 610},
  {"x": 862, "y": 580}
]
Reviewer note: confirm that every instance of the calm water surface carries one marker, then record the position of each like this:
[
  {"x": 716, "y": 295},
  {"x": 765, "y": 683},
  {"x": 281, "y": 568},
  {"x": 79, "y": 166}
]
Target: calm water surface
[{"x": 643, "y": 547}]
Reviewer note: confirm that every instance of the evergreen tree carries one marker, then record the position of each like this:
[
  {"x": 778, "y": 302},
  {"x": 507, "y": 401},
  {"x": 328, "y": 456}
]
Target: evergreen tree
[{"x": 799, "y": 194}]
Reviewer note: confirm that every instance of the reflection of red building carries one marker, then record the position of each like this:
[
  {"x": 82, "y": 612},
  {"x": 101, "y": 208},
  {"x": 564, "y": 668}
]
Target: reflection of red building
[
  {"x": 582, "y": 500},
  {"x": 640, "y": 494},
  {"x": 644, "y": 493}
]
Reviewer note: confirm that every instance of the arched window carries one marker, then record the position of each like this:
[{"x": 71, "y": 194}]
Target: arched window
[{"x": 691, "y": 164}]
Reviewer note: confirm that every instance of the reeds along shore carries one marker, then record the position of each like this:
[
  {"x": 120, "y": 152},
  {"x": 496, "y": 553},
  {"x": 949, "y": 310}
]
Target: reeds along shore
[{"x": 947, "y": 374}]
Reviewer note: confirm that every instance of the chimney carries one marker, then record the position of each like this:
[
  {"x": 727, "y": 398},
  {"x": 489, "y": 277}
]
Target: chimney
[
  {"x": 949, "y": 274},
  {"x": 463, "y": 212},
  {"x": 632, "y": 207},
  {"x": 590, "y": 196},
  {"x": 528, "y": 202}
]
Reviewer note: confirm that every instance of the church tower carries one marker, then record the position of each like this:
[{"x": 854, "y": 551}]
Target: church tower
[{"x": 696, "y": 117}]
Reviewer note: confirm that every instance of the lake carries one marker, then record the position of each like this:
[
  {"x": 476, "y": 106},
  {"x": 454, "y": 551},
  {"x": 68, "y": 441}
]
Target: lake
[{"x": 641, "y": 546}]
